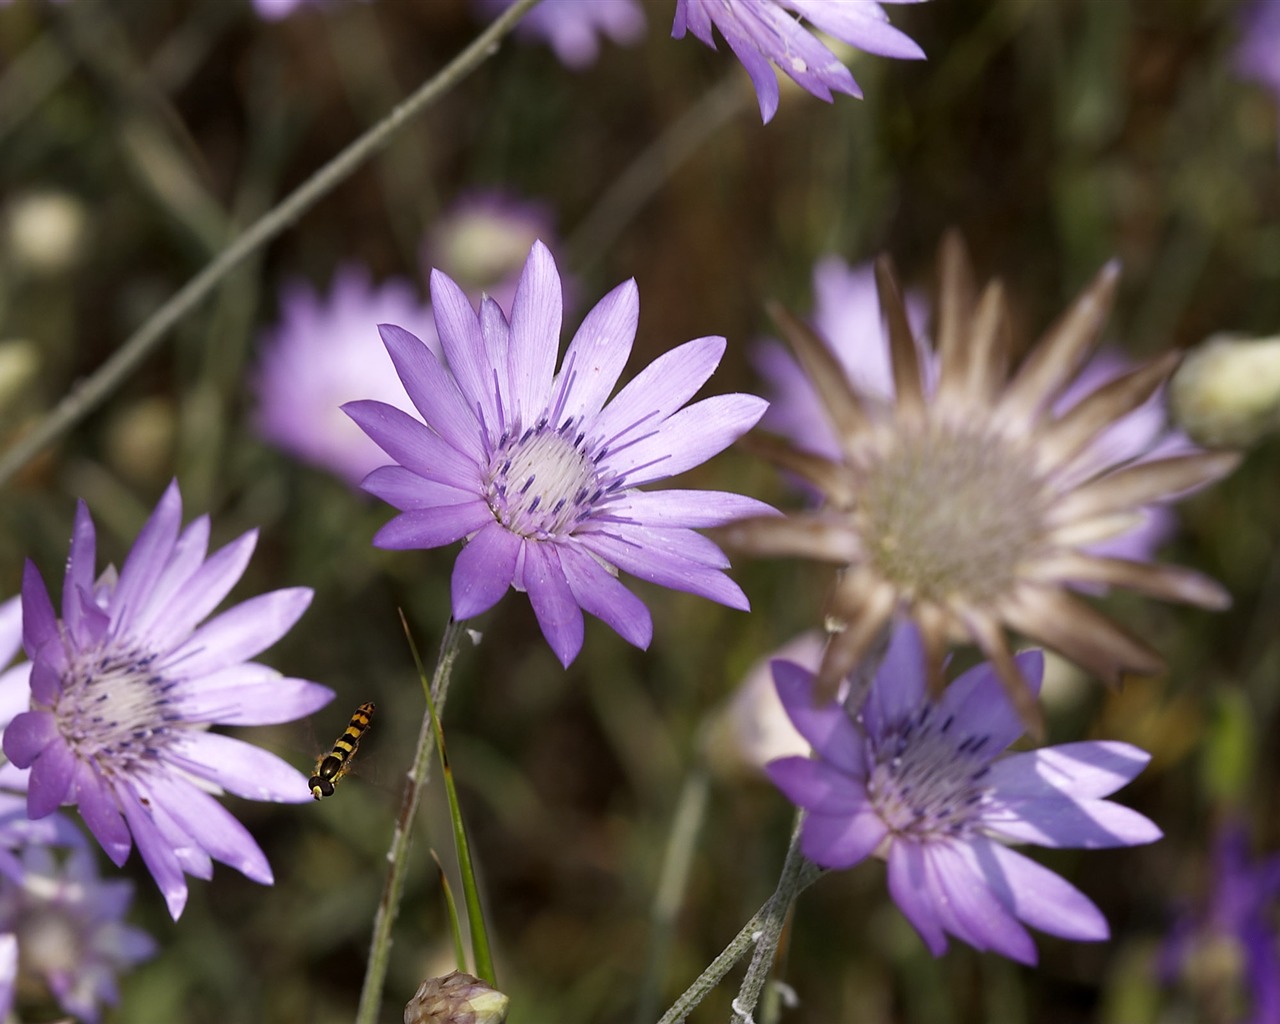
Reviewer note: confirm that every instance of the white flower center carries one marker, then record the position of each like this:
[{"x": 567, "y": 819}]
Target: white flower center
[
  {"x": 927, "y": 780},
  {"x": 545, "y": 482},
  {"x": 111, "y": 710}
]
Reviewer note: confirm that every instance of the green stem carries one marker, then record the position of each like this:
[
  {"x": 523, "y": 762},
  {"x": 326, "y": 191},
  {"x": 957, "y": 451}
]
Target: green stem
[
  {"x": 797, "y": 875},
  {"x": 773, "y": 917},
  {"x": 89, "y": 394},
  {"x": 398, "y": 855}
]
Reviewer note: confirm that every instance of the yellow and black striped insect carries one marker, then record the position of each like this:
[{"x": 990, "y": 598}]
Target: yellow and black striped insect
[{"x": 332, "y": 766}]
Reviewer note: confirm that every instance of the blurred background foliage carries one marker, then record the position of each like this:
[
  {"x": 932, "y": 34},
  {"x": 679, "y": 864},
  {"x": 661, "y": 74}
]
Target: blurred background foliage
[{"x": 1055, "y": 135}]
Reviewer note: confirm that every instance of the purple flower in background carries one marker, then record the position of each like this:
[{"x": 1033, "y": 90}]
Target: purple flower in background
[
  {"x": 572, "y": 27},
  {"x": 325, "y": 352},
  {"x": 1258, "y": 53},
  {"x": 482, "y": 241},
  {"x": 70, "y": 934},
  {"x": 539, "y": 474},
  {"x": 1236, "y": 932},
  {"x": 760, "y": 32},
  {"x": 274, "y": 10},
  {"x": 923, "y": 786},
  {"x": 125, "y": 685}
]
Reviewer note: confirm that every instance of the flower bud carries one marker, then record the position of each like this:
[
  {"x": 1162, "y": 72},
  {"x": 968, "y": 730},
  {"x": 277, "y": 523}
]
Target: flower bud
[
  {"x": 456, "y": 998},
  {"x": 1226, "y": 393}
]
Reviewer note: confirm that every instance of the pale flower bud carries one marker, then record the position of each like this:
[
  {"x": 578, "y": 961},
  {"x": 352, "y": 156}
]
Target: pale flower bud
[
  {"x": 1226, "y": 393},
  {"x": 457, "y": 998}
]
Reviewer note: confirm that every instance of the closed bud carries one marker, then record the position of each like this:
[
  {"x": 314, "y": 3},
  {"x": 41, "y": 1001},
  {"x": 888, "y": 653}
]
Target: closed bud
[
  {"x": 457, "y": 998},
  {"x": 1226, "y": 394}
]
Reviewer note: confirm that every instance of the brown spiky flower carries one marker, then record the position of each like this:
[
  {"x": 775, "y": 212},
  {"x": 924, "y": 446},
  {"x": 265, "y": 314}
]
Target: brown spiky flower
[{"x": 972, "y": 506}]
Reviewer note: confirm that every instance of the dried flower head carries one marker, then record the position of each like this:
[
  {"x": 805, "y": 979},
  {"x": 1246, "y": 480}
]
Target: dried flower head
[
  {"x": 457, "y": 998},
  {"x": 971, "y": 506}
]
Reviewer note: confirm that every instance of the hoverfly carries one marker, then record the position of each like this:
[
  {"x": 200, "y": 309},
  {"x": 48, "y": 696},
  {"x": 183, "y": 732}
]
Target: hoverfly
[{"x": 333, "y": 766}]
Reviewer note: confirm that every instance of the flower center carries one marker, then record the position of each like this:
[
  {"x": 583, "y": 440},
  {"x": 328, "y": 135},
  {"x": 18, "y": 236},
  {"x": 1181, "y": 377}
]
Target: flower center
[
  {"x": 543, "y": 483},
  {"x": 927, "y": 781},
  {"x": 111, "y": 710},
  {"x": 951, "y": 512}
]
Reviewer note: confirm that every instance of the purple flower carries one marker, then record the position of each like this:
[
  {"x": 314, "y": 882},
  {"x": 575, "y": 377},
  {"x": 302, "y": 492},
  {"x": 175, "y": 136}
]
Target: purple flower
[
  {"x": 539, "y": 474},
  {"x": 922, "y": 785},
  {"x": 69, "y": 930},
  {"x": 1258, "y": 54},
  {"x": 324, "y": 353},
  {"x": 482, "y": 241},
  {"x": 571, "y": 27},
  {"x": 1236, "y": 930},
  {"x": 125, "y": 685},
  {"x": 763, "y": 31}
]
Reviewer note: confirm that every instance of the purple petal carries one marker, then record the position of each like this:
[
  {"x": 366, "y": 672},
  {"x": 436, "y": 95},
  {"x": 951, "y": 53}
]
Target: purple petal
[
  {"x": 829, "y": 729},
  {"x": 404, "y": 489},
  {"x": 180, "y": 577},
  {"x": 858, "y": 25},
  {"x": 433, "y": 527},
  {"x": 40, "y": 635},
  {"x": 596, "y": 355},
  {"x": 433, "y": 391},
  {"x": 251, "y": 694},
  {"x": 688, "y": 438},
  {"x": 1060, "y": 821},
  {"x": 688, "y": 508},
  {"x": 760, "y": 71},
  {"x": 980, "y": 705},
  {"x": 413, "y": 444},
  {"x": 660, "y": 389},
  {"x": 899, "y": 685},
  {"x": 240, "y": 768},
  {"x": 213, "y": 827},
  {"x": 841, "y": 840},
  {"x": 535, "y": 333},
  {"x": 170, "y": 622},
  {"x": 910, "y": 887},
  {"x": 80, "y": 568},
  {"x": 496, "y": 333},
  {"x": 464, "y": 348},
  {"x": 1036, "y": 895},
  {"x": 817, "y": 786},
  {"x": 241, "y": 632},
  {"x": 45, "y": 682},
  {"x": 101, "y": 812},
  {"x": 971, "y": 910},
  {"x": 147, "y": 558},
  {"x": 156, "y": 852},
  {"x": 601, "y": 594},
  {"x": 1093, "y": 768},
  {"x": 484, "y": 570},
  {"x": 28, "y": 735},
  {"x": 558, "y": 613},
  {"x": 666, "y": 569},
  {"x": 49, "y": 784}
]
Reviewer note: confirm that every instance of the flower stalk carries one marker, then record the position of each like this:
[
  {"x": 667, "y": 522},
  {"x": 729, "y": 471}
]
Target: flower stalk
[{"x": 398, "y": 855}]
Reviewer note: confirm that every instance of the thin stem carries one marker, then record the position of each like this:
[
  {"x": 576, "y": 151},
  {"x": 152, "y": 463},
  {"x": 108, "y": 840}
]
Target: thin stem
[
  {"x": 89, "y": 394},
  {"x": 797, "y": 875},
  {"x": 775, "y": 915},
  {"x": 398, "y": 856}
]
